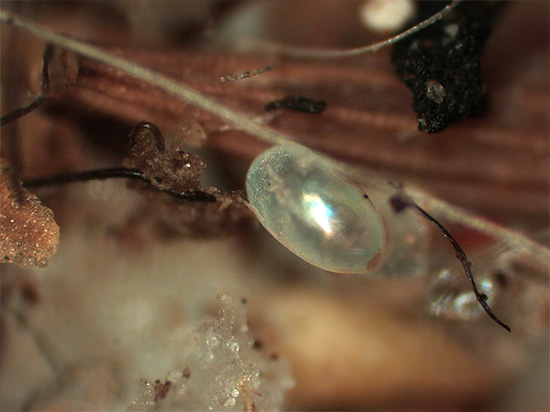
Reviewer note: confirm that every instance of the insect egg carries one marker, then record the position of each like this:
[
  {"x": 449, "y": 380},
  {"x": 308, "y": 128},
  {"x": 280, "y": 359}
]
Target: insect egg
[{"x": 314, "y": 212}]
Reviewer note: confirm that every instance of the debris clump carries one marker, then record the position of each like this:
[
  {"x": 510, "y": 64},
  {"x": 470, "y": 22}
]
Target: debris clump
[
  {"x": 177, "y": 171},
  {"x": 441, "y": 64},
  {"x": 223, "y": 371},
  {"x": 29, "y": 234}
]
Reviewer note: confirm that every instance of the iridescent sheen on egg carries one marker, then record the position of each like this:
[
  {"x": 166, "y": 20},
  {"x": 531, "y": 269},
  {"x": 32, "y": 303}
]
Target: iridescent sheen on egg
[{"x": 314, "y": 212}]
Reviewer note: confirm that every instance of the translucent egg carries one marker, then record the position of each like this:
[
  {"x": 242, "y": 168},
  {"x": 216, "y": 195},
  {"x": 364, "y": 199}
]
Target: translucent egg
[{"x": 314, "y": 212}]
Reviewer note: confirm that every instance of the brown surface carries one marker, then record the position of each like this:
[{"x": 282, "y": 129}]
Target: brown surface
[{"x": 498, "y": 162}]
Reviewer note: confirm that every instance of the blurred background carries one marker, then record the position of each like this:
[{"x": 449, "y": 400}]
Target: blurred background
[{"x": 145, "y": 306}]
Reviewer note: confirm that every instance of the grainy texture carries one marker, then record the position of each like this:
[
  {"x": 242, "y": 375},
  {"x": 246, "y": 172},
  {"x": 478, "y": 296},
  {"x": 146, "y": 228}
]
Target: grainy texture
[
  {"x": 442, "y": 64},
  {"x": 174, "y": 170},
  {"x": 28, "y": 232}
]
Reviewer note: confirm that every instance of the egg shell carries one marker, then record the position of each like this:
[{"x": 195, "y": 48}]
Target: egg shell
[{"x": 314, "y": 211}]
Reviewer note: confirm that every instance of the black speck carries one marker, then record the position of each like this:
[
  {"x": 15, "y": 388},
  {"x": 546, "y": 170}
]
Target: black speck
[
  {"x": 501, "y": 279},
  {"x": 398, "y": 204},
  {"x": 299, "y": 104}
]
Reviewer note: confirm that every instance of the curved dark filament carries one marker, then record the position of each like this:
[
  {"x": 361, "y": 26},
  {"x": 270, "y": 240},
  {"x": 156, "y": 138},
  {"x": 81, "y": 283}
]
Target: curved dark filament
[
  {"x": 22, "y": 111},
  {"x": 13, "y": 146},
  {"x": 399, "y": 204},
  {"x": 115, "y": 173}
]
